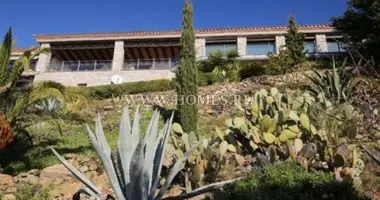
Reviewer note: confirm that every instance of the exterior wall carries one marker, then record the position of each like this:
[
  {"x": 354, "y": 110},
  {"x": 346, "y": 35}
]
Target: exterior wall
[
  {"x": 200, "y": 47},
  {"x": 43, "y": 59},
  {"x": 118, "y": 56},
  {"x": 95, "y": 78},
  {"x": 242, "y": 46},
  {"x": 280, "y": 41},
  {"x": 321, "y": 42}
]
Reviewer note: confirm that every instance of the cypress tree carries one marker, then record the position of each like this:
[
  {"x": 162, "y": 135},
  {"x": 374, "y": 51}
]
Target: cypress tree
[
  {"x": 186, "y": 74},
  {"x": 295, "y": 42}
]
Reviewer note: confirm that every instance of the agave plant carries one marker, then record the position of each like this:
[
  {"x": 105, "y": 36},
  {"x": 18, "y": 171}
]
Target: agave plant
[
  {"x": 134, "y": 172},
  {"x": 336, "y": 85}
]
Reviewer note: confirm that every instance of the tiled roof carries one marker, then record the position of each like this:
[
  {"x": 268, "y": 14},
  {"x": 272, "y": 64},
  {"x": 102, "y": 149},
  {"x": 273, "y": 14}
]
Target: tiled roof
[
  {"x": 20, "y": 50},
  {"x": 177, "y": 32}
]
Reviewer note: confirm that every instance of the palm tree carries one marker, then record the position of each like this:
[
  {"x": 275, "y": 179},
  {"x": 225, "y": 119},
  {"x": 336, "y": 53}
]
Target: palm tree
[
  {"x": 223, "y": 66},
  {"x": 21, "y": 107}
]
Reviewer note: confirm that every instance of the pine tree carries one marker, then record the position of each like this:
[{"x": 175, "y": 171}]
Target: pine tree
[
  {"x": 186, "y": 75},
  {"x": 295, "y": 42}
]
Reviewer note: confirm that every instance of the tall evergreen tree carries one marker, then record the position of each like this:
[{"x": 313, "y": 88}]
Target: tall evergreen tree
[
  {"x": 295, "y": 42},
  {"x": 186, "y": 74},
  {"x": 360, "y": 25}
]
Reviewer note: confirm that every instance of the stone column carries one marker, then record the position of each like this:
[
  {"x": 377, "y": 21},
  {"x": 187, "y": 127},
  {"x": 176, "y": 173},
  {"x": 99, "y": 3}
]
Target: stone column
[
  {"x": 321, "y": 42},
  {"x": 200, "y": 47},
  {"x": 118, "y": 56},
  {"x": 280, "y": 42},
  {"x": 242, "y": 46},
  {"x": 43, "y": 59}
]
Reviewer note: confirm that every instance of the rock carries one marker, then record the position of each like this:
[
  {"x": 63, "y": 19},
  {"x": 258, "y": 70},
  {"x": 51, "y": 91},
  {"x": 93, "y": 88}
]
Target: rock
[
  {"x": 30, "y": 179},
  {"x": 239, "y": 159},
  {"x": 23, "y": 175},
  {"x": 15, "y": 179},
  {"x": 52, "y": 173},
  {"x": 8, "y": 197},
  {"x": 6, "y": 181},
  {"x": 70, "y": 156},
  {"x": 76, "y": 163},
  {"x": 84, "y": 169},
  {"x": 108, "y": 108},
  {"x": 209, "y": 111},
  {"x": 91, "y": 174},
  {"x": 65, "y": 189},
  {"x": 93, "y": 167},
  {"x": 85, "y": 159},
  {"x": 57, "y": 181},
  {"x": 11, "y": 190},
  {"x": 174, "y": 191},
  {"x": 34, "y": 172}
]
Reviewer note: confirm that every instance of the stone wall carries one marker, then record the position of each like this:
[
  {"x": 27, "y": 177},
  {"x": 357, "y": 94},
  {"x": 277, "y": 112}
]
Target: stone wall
[
  {"x": 63, "y": 185},
  {"x": 94, "y": 78}
]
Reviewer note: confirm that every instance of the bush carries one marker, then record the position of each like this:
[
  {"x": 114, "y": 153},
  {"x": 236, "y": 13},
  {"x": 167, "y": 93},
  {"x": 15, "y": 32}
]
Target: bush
[
  {"x": 288, "y": 181},
  {"x": 205, "y": 78},
  {"x": 109, "y": 91},
  {"x": 256, "y": 68},
  {"x": 32, "y": 192}
]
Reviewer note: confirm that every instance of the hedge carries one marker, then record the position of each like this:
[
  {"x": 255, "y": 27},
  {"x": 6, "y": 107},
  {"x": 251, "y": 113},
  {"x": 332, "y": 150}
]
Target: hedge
[
  {"x": 109, "y": 91},
  {"x": 286, "y": 182}
]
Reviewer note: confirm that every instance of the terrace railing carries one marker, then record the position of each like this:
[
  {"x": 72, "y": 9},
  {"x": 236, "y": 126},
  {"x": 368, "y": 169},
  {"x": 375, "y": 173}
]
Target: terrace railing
[
  {"x": 106, "y": 65},
  {"x": 72, "y": 66},
  {"x": 151, "y": 64}
]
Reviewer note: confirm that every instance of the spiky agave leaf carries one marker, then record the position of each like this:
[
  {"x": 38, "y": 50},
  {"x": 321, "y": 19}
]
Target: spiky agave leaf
[
  {"x": 106, "y": 161},
  {"x": 174, "y": 171},
  {"x": 125, "y": 148},
  {"x": 159, "y": 157},
  {"x": 79, "y": 175},
  {"x": 143, "y": 156}
]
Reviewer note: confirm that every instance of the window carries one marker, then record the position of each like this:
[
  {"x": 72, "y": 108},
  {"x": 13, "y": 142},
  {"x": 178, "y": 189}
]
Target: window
[
  {"x": 224, "y": 47},
  {"x": 310, "y": 47},
  {"x": 335, "y": 46},
  {"x": 10, "y": 64},
  {"x": 260, "y": 48}
]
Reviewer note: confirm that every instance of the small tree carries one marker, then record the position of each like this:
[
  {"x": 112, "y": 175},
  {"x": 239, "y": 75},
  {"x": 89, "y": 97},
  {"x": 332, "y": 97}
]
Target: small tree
[
  {"x": 186, "y": 75},
  {"x": 360, "y": 24},
  {"x": 295, "y": 42},
  {"x": 224, "y": 67}
]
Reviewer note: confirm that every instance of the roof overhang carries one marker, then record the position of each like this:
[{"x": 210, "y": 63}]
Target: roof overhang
[{"x": 279, "y": 30}]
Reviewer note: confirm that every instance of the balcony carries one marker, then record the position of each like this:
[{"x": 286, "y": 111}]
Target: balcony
[
  {"x": 79, "y": 66},
  {"x": 106, "y": 65},
  {"x": 151, "y": 64}
]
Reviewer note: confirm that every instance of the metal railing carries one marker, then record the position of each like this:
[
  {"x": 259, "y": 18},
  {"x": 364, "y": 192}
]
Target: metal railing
[
  {"x": 72, "y": 66},
  {"x": 151, "y": 64},
  {"x": 106, "y": 65},
  {"x": 32, "y": 64}
]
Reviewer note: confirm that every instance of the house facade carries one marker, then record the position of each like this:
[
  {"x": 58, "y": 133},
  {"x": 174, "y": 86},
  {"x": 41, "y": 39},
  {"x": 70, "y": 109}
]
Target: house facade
[{"x": 92, "y": 59}]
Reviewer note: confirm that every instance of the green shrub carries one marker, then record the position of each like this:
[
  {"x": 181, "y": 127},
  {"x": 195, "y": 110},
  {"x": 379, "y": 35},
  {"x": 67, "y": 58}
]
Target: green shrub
[
  {"x": 33, "y": 192},
  {"x": 288, "y": 181},
  {"x": 256, "y": 68},
  {"x": 205, "y": 78},
  {"x": 109, "y": 91}
]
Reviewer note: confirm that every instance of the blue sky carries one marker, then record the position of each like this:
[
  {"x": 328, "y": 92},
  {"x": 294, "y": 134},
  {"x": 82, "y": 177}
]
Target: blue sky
[{"x": 29, "y": 17}]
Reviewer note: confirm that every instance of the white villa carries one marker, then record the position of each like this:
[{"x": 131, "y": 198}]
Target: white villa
[{"x": 91, "y": 59}]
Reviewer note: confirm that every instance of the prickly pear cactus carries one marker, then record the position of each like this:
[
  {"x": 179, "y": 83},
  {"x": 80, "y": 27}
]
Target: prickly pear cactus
[
  {"x": 282, "y": 127},
  {"x": 206, "y": 159},
  {"x": 271, "y": 119}
]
